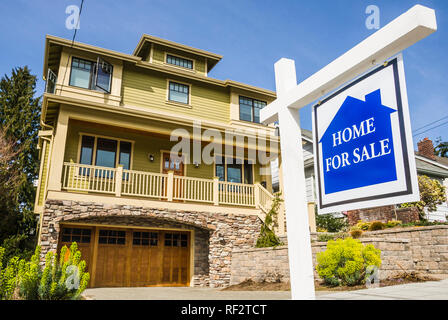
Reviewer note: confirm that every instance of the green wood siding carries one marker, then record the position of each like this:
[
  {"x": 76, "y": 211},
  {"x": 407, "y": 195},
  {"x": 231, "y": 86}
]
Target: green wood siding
[
  {"x": 145, "y": 88},
  {"x": 158, "y": 56}
]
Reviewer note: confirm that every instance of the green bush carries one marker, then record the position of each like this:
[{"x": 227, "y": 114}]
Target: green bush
[
  {"x": 356, "y": 233},
  {"x": 331, "y": 236},
  {"x": 60, "y": 279},
  {"x": 363, "y": 225},
  {"x": 393, "y": 223},
  {"x": 267, "y": 237},
  {"x": 330, "y": 223},
  {"x": 345, "y": 262},
  {"x": 377, "y": 225}
]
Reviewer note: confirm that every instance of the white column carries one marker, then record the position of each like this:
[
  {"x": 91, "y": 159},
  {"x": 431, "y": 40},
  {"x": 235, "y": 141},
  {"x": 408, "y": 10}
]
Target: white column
[
  {"x": 294, "y": 188},
  {"x": 58, "y": 151}
]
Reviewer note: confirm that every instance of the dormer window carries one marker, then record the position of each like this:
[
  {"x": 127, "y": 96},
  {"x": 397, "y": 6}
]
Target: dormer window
[
  {"x": 91, "y": 75},
  {"x": 178, "y": 61},
  {"x": 250, "y": 109}
]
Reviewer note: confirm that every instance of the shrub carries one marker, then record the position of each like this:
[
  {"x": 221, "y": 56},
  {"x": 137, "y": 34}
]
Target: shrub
[
  {"x": 392, "y": 224},
  {"x": 432, "y": 193},
  {"x": 356, "y": 233},
  {"x": 377, "y": 225},
  {"x": 330, "y": 223},
  {"x": 345, "y": 262},
  {"x": 267, "y": 237},
  {"x": 331, "y": 236},
  {"x": 363, "y": 225},
  {"x": 60, "y": 279}
]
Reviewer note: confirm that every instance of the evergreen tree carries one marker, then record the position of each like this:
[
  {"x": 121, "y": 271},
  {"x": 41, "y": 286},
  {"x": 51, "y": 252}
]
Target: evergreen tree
[
  {"x": 441, "y": 148},
  {"x": 19, "y": 120}
]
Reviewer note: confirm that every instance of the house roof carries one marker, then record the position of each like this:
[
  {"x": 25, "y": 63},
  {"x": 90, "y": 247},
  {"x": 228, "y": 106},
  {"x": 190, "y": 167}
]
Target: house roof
[
  {"x": 437, "y": 167},
  {"x": 212, "y": 58},
  {"x": 54, "y": 44}
]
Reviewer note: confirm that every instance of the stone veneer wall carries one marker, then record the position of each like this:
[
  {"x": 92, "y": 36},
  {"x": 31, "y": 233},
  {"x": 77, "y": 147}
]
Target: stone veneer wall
[
  {"x": 423, "y": 249},
  {"x": 384, "y": 214},
  {"x": 216, "y": 235}
]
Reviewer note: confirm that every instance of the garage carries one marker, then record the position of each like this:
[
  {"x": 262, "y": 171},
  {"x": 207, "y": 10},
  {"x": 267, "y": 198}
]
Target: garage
[{"x": 129, "y": 257}]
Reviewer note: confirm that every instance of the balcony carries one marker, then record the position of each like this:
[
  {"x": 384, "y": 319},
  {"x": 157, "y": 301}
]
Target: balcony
[{"x": 164, "y": 187}]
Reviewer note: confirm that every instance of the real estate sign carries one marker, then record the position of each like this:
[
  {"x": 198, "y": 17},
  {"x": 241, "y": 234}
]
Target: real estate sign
[{"x": 363, "y": 143}]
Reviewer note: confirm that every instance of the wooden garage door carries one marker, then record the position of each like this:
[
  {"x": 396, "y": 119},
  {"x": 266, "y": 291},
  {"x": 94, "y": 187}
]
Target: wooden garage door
[
  {"x": 84, "y": 238},
  {"x": 131, "y": 257}
]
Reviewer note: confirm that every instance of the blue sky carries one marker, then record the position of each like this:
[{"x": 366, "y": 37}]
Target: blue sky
[{"x": 251, "y": 35}]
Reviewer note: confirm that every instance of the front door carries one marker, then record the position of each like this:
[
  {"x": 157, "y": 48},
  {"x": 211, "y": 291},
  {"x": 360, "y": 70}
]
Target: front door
[{"x": 174, "y": 163}]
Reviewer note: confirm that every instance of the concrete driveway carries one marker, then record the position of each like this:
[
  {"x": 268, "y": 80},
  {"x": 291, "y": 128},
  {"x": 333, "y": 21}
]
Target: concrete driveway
[{"x": 434, "y": 290}]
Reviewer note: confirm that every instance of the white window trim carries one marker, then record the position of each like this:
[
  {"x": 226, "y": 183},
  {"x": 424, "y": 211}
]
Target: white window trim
[{"x": 176, "y": 103}]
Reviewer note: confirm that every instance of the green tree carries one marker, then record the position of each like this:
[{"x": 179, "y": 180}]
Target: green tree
[
  {"x": 432, "y": 193},
  {"x": 19, "y": 120},
  {"x": 441, "y": 148}
]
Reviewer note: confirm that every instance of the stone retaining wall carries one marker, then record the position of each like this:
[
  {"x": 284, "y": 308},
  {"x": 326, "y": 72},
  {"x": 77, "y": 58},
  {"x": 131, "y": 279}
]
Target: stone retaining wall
[
  {"x": 216, "y": 235},
  {"x": 423, "y": 249},
  {"x": 383, "y": 214}
]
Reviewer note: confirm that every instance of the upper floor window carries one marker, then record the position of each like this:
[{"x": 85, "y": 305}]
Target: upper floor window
[
  {"x": 91, "y": 75},
  {"x": 250, "y": 109},
  {"x": 177, "y": 61},
  {"x": 178, "y": 92}
]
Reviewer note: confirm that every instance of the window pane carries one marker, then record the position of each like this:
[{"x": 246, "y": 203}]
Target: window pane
[
  {"x": 234, "y": 173},
  {"x": 248, "y": 174},
  {"x": 185, "y": 63},
  {"x": 80, "y": 73},
  {"x": 178, "y": 92},
  {"x": 80, "y": 78},
  {"x": 245, "y": 112},
  {"x": 87, "y": 143},
  {"x": 125, "y": 154},
  {"x": 106, "y": 152},
  {"x": 104, "y": 75},
  {"x": 220, "y": 172},
  {"x": 179, "y": 97}
]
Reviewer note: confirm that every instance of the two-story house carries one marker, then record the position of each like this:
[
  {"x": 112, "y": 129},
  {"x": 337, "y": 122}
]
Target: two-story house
[{"x": 111, "y": 177}]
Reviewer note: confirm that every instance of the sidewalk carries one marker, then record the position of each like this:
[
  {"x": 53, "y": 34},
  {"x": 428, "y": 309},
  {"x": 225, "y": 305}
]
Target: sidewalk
[
  {"x": 431, "y": 290},
  {"x": 434, "y": 290}
]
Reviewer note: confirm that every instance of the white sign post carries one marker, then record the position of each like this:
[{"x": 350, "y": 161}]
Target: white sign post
[{"x": 409, "y": 28}]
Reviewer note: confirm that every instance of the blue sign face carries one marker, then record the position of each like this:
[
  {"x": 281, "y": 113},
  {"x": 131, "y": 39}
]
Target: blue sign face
[{"x": 357, "y": 147}]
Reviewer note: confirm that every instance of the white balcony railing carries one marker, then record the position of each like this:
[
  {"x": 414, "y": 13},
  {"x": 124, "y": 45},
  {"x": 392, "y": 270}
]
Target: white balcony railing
[{"x": 121, "y": 182}]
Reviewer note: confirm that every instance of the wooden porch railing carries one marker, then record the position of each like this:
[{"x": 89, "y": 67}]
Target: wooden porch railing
[
  {"x": 121, "y": 182},
  {"x": 264, "y": 198}
]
